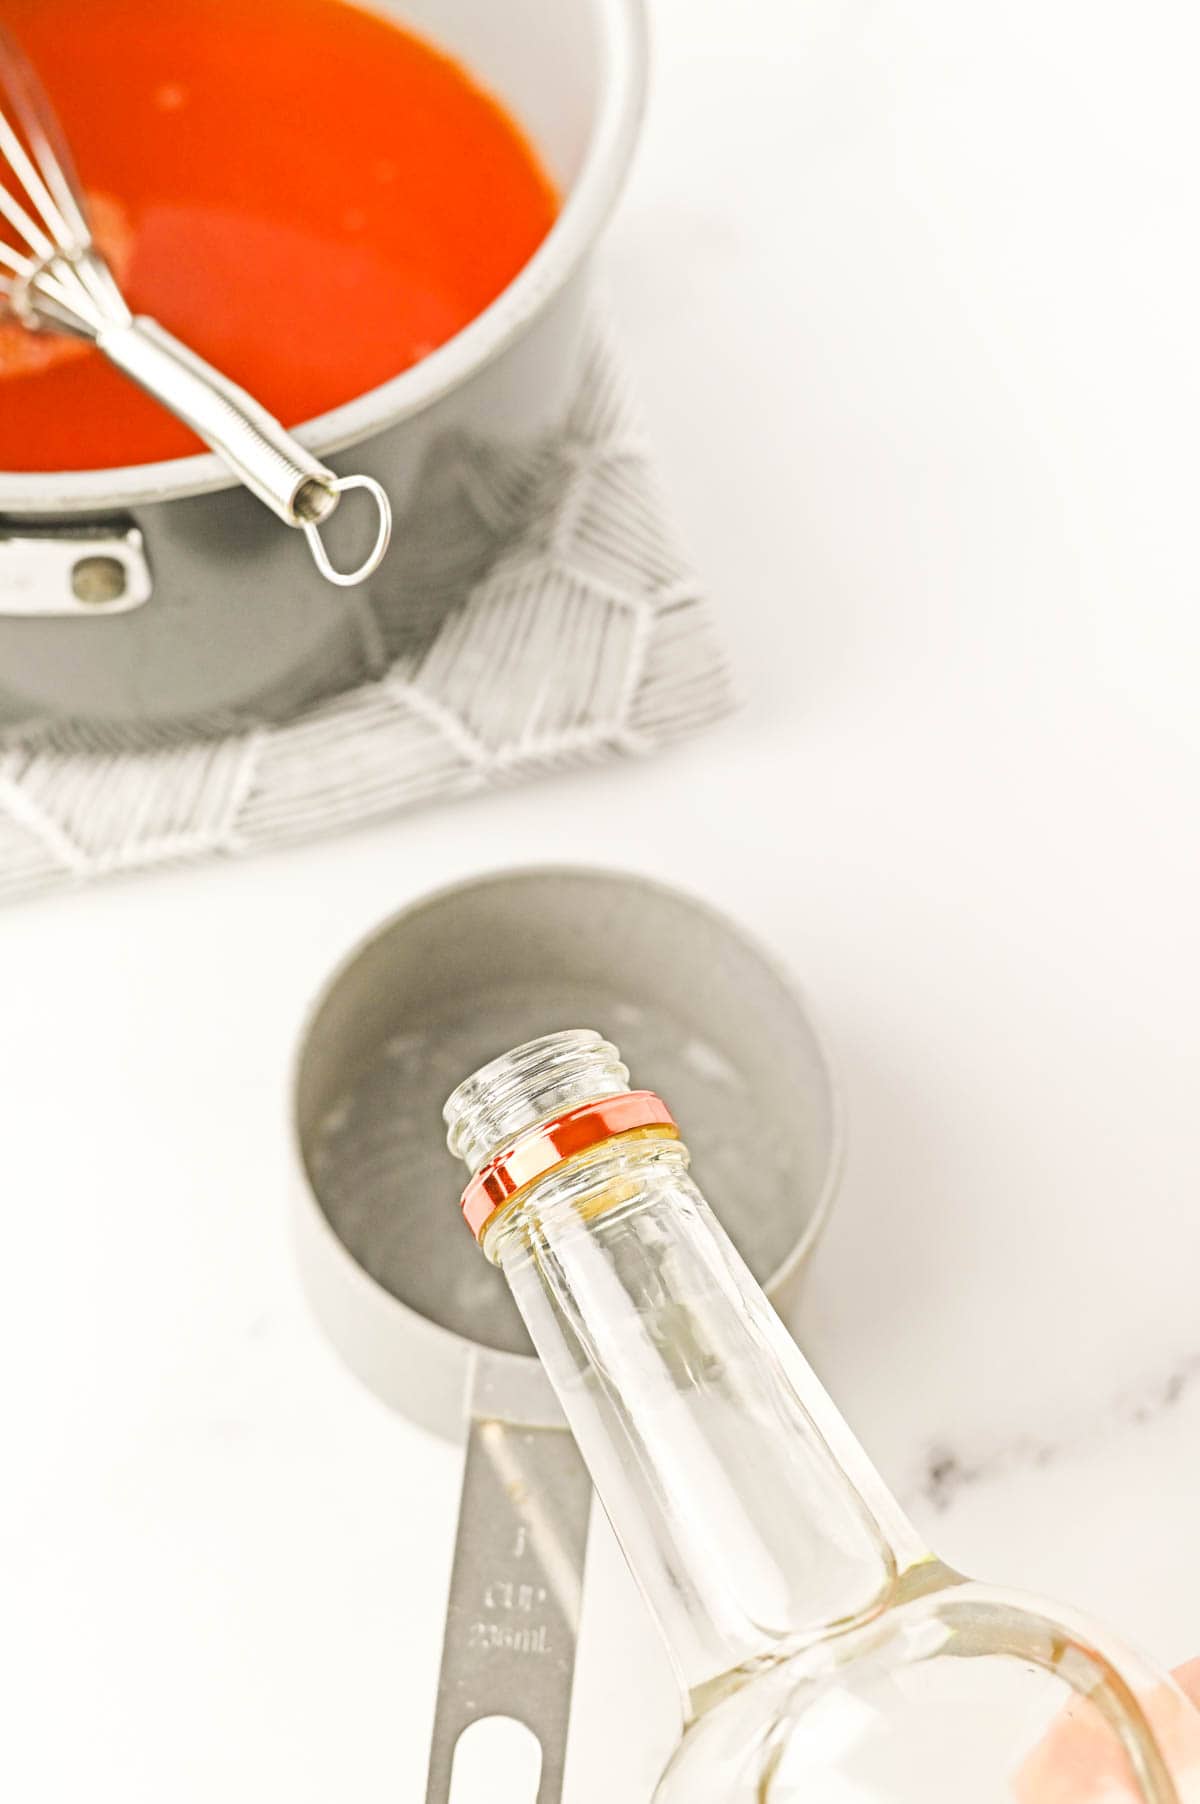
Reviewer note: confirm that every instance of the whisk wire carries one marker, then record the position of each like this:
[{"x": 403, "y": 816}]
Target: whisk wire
[
  {"x": 21, "y": 221},
  {"x": 48, "y": 174}
]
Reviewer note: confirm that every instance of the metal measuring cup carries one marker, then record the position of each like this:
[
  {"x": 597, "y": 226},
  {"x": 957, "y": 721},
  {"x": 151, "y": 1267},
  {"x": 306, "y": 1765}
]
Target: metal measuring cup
[{"x": 704, "y": 1017}]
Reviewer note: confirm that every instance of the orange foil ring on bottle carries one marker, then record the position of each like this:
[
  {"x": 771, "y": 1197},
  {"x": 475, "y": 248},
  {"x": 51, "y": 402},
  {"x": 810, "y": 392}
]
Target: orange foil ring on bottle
[{"x": 538, "y": 1150}]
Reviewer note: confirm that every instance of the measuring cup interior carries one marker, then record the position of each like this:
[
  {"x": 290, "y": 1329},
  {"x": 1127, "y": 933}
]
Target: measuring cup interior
[{"x": 700, "y": 1014}]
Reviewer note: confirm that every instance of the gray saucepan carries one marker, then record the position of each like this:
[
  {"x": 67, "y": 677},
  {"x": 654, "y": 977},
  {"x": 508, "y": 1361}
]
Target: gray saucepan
[{"x": 208, "y": 611}]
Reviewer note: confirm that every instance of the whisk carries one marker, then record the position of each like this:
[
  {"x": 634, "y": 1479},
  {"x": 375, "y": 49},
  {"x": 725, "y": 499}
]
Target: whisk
[{"x": 54, "y": 278}]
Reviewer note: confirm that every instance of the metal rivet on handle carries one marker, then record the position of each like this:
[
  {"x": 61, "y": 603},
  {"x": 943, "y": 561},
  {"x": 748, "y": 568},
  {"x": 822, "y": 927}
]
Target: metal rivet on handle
[{"x": 98, "y": 580}]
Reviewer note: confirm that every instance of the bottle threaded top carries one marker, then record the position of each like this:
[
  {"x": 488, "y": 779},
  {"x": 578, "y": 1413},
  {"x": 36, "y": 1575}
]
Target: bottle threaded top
[{"x": 530, "y": 1084}]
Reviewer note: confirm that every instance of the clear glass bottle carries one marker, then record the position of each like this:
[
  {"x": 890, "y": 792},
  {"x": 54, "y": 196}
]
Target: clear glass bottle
[{"x": 824, "y": 1654}]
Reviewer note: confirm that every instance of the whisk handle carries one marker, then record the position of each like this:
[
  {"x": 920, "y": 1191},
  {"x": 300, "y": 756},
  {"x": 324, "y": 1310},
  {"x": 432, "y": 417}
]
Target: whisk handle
[{"x": 257, "y": 448}]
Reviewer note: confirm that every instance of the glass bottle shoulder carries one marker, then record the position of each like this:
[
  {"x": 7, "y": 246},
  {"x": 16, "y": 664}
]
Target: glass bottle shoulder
[{"x": 962, "y": 1693}]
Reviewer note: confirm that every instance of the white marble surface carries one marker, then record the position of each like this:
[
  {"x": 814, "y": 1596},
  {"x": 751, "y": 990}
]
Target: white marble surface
[{"x": 912, "y": 294}]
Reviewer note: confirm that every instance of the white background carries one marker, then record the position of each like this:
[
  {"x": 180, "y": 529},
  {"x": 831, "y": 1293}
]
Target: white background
[{"x": 912, "y": 294}]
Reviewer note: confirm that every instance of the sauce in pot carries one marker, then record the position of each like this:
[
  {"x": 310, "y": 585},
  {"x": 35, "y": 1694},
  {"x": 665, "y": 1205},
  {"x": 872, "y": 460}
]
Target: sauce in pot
[{"x": 308, "y": 195}]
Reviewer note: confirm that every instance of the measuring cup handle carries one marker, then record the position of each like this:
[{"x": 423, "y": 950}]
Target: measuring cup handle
[{"x": 515, "y": 1590}]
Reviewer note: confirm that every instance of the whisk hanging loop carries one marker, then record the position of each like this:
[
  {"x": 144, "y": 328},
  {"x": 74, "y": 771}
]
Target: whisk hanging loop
[
  {"x": 55, "y": 278},
  {"x": 346, "y": 579}
]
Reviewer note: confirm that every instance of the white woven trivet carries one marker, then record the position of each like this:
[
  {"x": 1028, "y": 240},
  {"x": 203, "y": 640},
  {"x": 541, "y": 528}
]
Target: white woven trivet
[{"x": 578, "y": 631}]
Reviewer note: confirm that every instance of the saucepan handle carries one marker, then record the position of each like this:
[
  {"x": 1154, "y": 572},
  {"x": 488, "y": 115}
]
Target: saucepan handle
[
  {"x": 513, "y": 1617},
  {"x": 66, "y": 569}
]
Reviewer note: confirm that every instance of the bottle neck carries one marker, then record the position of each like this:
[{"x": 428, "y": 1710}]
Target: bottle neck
[{"x": 748, "y": 1513}]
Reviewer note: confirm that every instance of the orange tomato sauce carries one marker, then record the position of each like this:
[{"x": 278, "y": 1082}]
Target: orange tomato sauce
[{"x": 308, "y": 195}]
